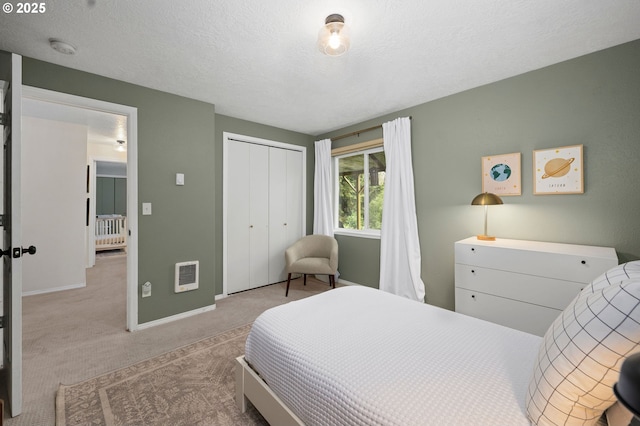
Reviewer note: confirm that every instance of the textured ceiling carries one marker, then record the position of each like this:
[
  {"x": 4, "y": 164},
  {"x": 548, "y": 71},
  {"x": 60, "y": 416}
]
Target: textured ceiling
[
  {"x": 102, "y": 127},
  {"x": 258, "y": 60}
]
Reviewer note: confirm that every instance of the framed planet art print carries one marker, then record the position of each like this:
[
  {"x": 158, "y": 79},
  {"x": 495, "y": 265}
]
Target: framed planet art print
[
  {"x": 558, "y": 170},
  {"x": 501, "y": 174}
]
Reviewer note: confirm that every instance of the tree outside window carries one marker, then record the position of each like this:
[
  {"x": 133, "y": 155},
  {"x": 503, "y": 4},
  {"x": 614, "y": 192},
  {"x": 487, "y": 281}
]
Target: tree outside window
[{"x": 360, "y": 185}]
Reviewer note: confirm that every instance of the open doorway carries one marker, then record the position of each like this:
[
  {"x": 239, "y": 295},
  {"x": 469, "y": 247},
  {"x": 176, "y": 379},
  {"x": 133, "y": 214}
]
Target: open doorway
[
  {"x": 73, "y": 136},
  {"x": 108, "y": 224}
]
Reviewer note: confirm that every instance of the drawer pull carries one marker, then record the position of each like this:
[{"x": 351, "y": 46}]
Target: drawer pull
[
  {"x": 584, "y": 262},
  {"x": 473, "y": 296},
  {"x": 473, "y": 249},
  {"x": 473, "y": 271}
]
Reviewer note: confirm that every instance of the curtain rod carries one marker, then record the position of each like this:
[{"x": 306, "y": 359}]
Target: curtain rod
[{"x": 357, "y": 132}]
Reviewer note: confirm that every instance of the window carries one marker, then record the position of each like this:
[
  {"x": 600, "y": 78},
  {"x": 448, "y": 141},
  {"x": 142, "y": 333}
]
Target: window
[{"x": 359, "y": 192}]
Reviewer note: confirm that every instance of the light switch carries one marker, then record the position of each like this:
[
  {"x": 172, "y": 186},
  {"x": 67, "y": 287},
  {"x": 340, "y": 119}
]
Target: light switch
[
  {"x": 146, "y": 209},
  {"x": 179, "y": 178}
]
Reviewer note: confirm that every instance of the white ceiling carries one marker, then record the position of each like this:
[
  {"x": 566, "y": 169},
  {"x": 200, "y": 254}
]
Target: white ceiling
[
  {"x": 258, "y": 60},
  {"x": 102, "y": 127}
]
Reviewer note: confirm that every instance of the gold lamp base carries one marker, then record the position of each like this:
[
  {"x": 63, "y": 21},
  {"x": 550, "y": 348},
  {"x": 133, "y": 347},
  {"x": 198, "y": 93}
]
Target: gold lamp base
[{"x": 486, "y": 238}]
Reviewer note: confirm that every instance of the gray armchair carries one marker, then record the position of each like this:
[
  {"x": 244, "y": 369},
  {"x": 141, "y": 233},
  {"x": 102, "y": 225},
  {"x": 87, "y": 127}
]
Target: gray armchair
[{"x": 313, "y": 254}]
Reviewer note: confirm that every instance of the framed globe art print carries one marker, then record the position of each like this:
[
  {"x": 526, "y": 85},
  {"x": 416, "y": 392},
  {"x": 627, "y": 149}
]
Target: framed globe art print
[
  {"x": 501, "y": 174},
  {"x": 558, "y": 170}
]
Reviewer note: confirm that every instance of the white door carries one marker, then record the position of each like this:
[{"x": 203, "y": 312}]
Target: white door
[
  {"x": 238, "y": 240},
  {"x": 247, "y": 217},
  {"x": 263, "y": 209},
  {"x": 285, "y": 207},
  {"x": 259, "y": 215},
  {"x": 12, "y": 247},
  {"x": 277, "y": 213}
]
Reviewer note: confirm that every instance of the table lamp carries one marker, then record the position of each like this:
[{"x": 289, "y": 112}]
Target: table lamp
[
  {"x": 627, "y": 389},
  {"x": 486, "y": 199}
]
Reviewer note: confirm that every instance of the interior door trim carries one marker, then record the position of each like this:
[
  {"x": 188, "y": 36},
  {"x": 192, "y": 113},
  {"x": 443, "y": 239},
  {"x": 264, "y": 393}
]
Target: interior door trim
[{"x": 132, "y": 179}]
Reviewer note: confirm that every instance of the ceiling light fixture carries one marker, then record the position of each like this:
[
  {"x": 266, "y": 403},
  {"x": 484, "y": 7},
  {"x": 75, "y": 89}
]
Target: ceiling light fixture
[
  {"x": 120, "y": 147},
  {"x": 62, "y": 47},
  {"x": 333, "y": 38}
]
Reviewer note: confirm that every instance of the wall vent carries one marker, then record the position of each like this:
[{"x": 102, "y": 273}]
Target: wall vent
[{"x": 187, "y": 276}]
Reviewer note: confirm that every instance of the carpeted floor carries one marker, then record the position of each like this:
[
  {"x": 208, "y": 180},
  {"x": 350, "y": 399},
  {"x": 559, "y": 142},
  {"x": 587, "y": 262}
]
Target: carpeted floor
[
  {"x": 75, "y": 335},
  {"x": 192, "y": 385}
]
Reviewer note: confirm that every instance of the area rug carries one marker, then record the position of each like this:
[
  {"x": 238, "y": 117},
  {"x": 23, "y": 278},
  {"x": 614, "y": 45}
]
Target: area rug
[{"x": 192, "y": 385}]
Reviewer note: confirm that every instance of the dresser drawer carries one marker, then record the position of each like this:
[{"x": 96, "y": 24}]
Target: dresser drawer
[
  {"x": 523, "y": 316},
  {"x": 538, "y": 290},
  {"x": 541, "y": 259}
]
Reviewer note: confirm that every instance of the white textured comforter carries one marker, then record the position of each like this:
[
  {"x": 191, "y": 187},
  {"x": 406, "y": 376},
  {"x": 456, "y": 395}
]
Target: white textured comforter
[{"x": 359, "y": 356}]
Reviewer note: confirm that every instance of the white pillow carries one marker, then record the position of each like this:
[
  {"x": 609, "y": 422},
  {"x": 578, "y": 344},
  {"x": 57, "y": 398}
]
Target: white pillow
[
  {"x": 615, "y": 275},
  {"x": 580, "y": 356}
]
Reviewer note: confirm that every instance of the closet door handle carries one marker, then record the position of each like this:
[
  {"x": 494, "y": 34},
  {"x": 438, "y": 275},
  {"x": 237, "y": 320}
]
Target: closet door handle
[{"x": 30, "y": 250}]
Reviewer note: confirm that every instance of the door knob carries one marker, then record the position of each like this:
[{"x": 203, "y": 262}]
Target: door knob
[
  {"x": 30, "y": 250},
  {"x": 17, "y": 252}
]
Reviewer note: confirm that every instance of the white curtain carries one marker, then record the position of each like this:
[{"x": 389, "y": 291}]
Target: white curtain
[
  {"x": 322, "y": 210},
  {"x": 399, "y": 242}
]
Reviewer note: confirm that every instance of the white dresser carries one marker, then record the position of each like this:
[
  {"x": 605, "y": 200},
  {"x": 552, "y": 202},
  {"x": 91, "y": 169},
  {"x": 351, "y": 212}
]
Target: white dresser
[{"x": 523, "y": 284}]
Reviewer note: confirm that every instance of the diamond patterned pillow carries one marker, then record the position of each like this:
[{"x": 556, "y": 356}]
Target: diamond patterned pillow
[{"x": 580, "y": 356}]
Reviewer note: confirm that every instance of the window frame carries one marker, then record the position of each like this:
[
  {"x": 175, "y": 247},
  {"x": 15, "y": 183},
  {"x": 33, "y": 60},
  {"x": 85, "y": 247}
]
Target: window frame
[{"x": 362, "y": 233}]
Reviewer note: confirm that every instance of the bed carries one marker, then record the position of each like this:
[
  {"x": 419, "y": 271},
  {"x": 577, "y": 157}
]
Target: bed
[
  {"x": 111, "y": 232},
  {"x": 359, "y": 356}
]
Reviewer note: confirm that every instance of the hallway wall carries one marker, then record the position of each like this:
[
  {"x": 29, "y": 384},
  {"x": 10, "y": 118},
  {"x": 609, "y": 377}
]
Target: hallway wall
[{"x": 53, "y": 204}]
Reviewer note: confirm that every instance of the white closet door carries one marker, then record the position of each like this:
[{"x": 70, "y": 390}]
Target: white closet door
[
  {"x": 277, "y": 213},
  {"x": 247, "y": 221},
  {"x": 285, "y": 207},
  {"x": 238, "y": 217},
  {"x": 264, "y": 212},
  {"x": 259, "y": 218}
]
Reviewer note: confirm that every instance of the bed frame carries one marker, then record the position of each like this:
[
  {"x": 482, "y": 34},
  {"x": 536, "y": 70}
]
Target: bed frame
[
  {"x": 250, "y": 387},
  {"x": 111, "y": 233}
]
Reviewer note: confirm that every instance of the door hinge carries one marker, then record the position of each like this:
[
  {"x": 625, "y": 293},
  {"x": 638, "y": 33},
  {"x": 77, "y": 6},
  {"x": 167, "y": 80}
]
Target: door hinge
[
  {"x": 2, "y": 220},
  {"x": 1, "y": 322},
  {"x": 4, "y": 119}
]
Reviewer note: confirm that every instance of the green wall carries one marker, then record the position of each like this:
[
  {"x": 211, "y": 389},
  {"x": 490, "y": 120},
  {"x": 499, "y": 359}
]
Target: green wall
[
  {"x": 5, "y": 65},
  {"x": 175, "y": 135},
  {"x": 248, "y": 128},
  {"x": 593, "y": 100}
]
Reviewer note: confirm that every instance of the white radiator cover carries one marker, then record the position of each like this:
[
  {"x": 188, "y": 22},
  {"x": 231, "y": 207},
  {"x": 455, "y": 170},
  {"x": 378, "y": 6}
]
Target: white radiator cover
[{"x": 187, "y": 276}]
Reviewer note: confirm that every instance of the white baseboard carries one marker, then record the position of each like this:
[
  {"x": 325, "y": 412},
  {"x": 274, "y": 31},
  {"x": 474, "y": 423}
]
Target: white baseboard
[
  {"x": 221, "y": 296},
  {"x": 52, "y": 290},
  {"x": 345, "y": 282},
  {"x": 175, "y": 317}
]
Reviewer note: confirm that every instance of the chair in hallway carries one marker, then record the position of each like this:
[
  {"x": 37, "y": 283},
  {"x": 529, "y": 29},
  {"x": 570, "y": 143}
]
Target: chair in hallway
[{"x": 313, "y": 254}]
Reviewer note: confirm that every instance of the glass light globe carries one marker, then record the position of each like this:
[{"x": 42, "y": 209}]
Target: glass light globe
[{"x": 334, "y": 40}]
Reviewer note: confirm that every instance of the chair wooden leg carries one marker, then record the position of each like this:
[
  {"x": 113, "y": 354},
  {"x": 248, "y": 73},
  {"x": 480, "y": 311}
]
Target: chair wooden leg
[
  {"x": 332, "y": 281},
  {"x": 305, "y": 279},
  {"x": 288, "y": 282}
]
